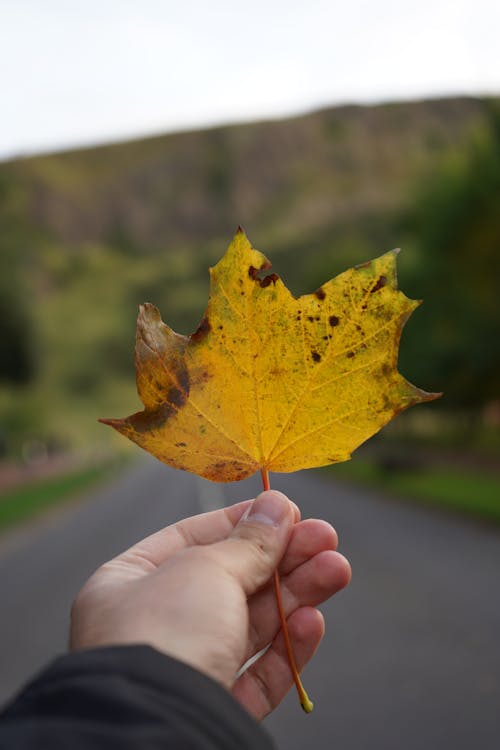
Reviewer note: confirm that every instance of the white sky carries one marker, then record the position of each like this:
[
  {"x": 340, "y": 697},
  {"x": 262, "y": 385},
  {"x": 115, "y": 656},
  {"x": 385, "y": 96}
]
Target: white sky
[{"x": 75, "y": 72}]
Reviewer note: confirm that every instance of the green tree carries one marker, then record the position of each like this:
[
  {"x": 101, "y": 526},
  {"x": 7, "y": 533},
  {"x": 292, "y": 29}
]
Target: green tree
[
  {"x": 454, "y": 342},
  {"x": 17, "y": 329}
]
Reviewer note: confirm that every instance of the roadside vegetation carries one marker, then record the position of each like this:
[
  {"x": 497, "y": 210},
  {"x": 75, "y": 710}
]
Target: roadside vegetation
[
  {"x": 34, "y": 498},
  {"x": 467, "y": 491}
]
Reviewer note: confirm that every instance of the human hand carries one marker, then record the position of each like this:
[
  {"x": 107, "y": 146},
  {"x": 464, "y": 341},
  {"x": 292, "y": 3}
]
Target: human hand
[{"x": 201, "y": 591}]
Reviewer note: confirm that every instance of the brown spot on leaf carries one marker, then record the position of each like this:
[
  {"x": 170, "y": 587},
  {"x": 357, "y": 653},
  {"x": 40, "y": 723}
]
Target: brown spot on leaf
[
  {"x": 350, "y": 355},
  {"x": 272, "y": 278},
  {"x": 176, "y": 397},
  {"x": 386, "y": 403},
  {"x": 221, "y": 470},
  {"x": 177, "y": 394},
  {"x": 254, "y": 274},
  {"x": 316, "y": 356},
  {"x": 382, "y": 281},
  {"x": 150, "y": 419},
  {"x": 333, "y": 320},
  {"x": 310, "y": 318},
  {"x": 180, "y": 445},
  {"x": 183, "y": 380},
  {"x": 367, "y": 264},
  {"x": 320, "y": 293},
  {"x": 201, "y": 331},
  {"x": 201, "y": 375}
]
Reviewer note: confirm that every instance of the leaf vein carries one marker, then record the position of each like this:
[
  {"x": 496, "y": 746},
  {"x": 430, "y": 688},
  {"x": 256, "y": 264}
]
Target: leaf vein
[{"x": 316, "y": 430}]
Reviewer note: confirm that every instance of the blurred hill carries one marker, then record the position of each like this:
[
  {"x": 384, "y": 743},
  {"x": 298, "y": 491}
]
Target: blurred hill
[{"x": 86, "y": 236}]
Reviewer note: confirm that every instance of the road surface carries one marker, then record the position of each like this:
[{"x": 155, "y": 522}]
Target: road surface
[{"x": 412, "y": 653}]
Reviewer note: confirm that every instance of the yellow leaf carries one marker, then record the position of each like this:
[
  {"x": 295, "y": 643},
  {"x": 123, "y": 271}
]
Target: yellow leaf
[{"x": 268, "y": 381}]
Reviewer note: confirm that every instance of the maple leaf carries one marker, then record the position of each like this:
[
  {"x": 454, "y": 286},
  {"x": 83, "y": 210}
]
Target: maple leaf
[{"x": 270, "y": 382}]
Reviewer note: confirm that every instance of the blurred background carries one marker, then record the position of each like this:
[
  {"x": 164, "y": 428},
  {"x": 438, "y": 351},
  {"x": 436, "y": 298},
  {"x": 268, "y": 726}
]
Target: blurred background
[{"x": 134, "y": 139}]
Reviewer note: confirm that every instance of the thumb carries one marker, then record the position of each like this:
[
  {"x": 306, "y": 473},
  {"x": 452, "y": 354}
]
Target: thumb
[{"x": 258, "y": 542}]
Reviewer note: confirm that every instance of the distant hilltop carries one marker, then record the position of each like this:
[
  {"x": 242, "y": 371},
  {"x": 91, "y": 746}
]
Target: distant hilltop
[{"x": 283, "y": 180}]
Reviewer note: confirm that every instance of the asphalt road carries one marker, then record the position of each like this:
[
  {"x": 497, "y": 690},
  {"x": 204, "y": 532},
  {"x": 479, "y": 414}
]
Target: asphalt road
[{"x": 411, "y": 658}]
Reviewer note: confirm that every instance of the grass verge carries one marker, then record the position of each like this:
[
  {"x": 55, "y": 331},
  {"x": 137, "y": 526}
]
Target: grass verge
[
  {"x": 456, "y": 489},
  {"x": 32, "y": 499}
]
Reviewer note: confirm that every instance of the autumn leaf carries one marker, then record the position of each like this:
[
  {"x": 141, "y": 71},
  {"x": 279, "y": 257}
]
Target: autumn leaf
[{"x": 269, "y": 382}]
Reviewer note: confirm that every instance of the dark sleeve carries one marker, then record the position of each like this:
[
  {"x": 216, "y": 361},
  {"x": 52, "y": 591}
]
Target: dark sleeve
[{"x": 127, "y": 698}]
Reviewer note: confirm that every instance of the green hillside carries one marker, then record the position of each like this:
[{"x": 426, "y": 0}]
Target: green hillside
[{"x": 86, "y": 236}]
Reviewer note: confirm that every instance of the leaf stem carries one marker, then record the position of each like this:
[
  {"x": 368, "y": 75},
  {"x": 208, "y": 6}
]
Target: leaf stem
[{"x": 305, "y": 702}]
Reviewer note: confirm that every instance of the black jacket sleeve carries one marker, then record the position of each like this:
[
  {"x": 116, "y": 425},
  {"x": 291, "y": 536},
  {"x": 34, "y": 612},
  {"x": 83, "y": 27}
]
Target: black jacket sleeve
[{"x": 127, "y": 698}]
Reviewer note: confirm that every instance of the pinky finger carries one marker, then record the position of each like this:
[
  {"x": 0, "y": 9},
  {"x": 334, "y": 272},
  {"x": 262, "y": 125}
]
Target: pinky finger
[{"x": 264, "y": 685}]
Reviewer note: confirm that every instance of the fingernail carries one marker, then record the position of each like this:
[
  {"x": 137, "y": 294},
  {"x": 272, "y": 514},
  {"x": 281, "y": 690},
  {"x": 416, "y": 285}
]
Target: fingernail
[{"x": 270, "y": 507}]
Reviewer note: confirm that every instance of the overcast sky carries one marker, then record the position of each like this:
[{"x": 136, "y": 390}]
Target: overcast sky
[{"x": 91, "y": 71}]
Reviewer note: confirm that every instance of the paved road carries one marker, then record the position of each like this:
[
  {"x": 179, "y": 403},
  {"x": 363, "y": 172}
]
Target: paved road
[{"x": 412, "y": 654}]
